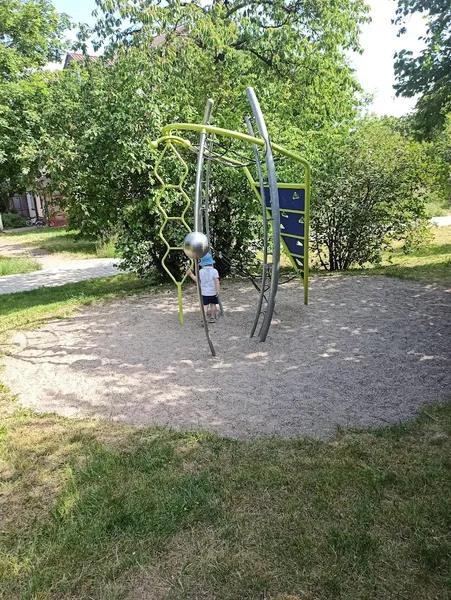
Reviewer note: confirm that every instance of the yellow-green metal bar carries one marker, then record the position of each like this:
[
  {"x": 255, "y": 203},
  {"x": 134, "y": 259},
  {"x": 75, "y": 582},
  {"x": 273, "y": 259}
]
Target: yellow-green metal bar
[
  {"x": 291, "y": 210},
  {"x": 294, "y": 186},
  {"x": 237, "y": 135},
  {"x": 292, "y": 235},
  {"x": 171, "y": 138}
]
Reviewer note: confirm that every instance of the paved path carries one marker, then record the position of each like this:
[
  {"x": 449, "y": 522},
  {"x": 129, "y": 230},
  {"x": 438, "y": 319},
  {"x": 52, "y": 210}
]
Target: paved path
[
  {"x": 70, "y": 271},
  {"x": 442, "y": 221}
]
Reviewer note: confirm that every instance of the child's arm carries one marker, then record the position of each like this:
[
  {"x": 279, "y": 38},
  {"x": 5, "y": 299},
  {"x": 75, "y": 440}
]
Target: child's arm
[
  {"x": 217, "y": 285},
  {"x": 191, "y": 274}
]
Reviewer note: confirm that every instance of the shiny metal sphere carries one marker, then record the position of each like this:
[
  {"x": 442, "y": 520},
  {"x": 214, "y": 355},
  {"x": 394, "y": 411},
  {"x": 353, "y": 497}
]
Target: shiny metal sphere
[{"x": 196, "y": 245}]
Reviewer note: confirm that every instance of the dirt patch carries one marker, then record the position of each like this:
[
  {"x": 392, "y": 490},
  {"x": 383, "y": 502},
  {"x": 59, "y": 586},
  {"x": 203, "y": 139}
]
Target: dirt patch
[
  {"x": 13, "y": 247},
  {"x": 367, "y": 351}
]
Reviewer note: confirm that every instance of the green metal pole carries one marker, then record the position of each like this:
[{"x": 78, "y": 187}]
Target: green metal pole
[{"x": 306, "y": 232}]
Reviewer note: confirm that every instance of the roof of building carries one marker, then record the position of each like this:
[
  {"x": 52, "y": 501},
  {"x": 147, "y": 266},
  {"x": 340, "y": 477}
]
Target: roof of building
[
  {"x": 160, "y": 39},
  {"x": 77, "y": 57}
]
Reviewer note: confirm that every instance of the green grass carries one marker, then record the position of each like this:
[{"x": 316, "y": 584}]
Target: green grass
[
  {"x": 29, "y": 309},
  {"x": 98, "y": 510},
  {"x": 430, "y": 264},
  {"x": 61, "y": 241},
  {"x": 437, "y": 209},
  {"x": 105, "y": 511},
  {"x": 11, "y": 265}
]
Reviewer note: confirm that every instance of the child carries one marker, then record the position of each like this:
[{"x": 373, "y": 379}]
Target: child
[{"x": 209, "y": 284}]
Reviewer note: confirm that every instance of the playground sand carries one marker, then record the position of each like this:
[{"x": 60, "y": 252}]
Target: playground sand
[{"x": 367, "y": 351}]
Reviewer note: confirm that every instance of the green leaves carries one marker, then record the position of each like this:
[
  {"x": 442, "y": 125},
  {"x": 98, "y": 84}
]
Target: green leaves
[
  {"x": 427, "y": 74},
  {"x": 370, "y": 184},
  {"x": 30, "y": 35}
]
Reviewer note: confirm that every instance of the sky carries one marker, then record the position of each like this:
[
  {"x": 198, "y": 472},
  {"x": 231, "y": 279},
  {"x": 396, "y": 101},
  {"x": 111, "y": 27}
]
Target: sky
[{"x": 374, "y": 69}]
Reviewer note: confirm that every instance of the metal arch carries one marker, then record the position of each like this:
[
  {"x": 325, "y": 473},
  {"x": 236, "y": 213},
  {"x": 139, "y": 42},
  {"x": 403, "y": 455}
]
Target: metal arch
[
  {"x": 207, "y": 190},
  {"x": 275, "y": 212},
  {"x": 198, "y": 212},
  {"x": 200, "y": 166},
  {"x": 206, "y": 215},
  {"x": 265, "y": 228}
]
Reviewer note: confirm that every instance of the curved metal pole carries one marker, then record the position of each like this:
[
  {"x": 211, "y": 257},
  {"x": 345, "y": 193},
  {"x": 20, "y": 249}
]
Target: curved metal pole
[
  {"x": 198, "y": 213},
  {"x": 265, "y": 228},
  {"x": 200, "y": 166},
  {"x": 207, "y": 191},
  {"x": 206, "y": 216},
  {"x": 275, "y": 213}
]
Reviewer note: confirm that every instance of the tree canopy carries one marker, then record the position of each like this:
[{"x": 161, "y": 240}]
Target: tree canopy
[
  {"x": 429, "y": 73},
  {"x": 31, "y": 35}
]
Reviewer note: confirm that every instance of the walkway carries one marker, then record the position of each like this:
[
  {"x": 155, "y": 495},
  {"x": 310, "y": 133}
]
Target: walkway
[
  {"x": 70, "y": 271},
  {"x": 442, "y": 221}
]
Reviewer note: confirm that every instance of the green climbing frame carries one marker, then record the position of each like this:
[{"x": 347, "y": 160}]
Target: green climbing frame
[{"x": 178, "y": 187}]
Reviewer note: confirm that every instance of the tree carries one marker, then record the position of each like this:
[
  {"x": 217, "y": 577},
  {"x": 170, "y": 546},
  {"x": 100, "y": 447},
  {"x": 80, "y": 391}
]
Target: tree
[
  {"x": 371, "y": 185},
  {"x": 31, "y": 33},
  {"x": 101, "y": 118},
  {"x": 30, "y": 36},
  {"x": 429, "y": 73}
]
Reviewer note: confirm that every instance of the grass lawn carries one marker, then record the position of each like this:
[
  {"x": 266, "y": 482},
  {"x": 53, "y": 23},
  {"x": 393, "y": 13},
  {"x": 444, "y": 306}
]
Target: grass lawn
[
  {"x": 436, "y": 209},
  {"x": 98, "y": 510},
  {"x": 29, "y": 309},
  {"x": 10, "y": 265},
  {"x": 430, "y": 265},
  {"x": 61, "y": 241}
]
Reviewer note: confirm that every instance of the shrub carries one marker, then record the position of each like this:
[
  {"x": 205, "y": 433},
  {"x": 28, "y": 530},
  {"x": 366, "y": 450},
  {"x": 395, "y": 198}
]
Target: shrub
[
  {"x": 369, "y": 190},
  {"x": 12, "y": 220}
]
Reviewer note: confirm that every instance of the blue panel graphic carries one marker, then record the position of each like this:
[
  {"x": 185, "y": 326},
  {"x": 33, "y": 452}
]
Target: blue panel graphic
[
  {"x": 299, "y": 263},
  {"x": 292, "y": 223},
  {"x": 294, "y": 246},
  {"x": 291, "y": 198}
]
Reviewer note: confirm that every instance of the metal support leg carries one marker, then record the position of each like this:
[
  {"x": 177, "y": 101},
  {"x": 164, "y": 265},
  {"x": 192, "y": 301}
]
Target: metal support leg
[
  {"x": 263, "y": 289},
  {"x": 275, "y": 212},
  {"x": 198, "y": 213}
]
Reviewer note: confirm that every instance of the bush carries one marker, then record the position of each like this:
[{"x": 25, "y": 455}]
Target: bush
[
  {"x": 12, "y": 220},
  {"x": 369, "y": 190}
]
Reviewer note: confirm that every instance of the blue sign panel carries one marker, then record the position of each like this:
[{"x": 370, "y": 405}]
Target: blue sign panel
[{"x": 289, "y": 198}]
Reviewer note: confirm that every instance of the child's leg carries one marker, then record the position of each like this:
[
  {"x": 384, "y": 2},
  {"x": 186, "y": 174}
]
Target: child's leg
[{"x": 213, "y": 311}]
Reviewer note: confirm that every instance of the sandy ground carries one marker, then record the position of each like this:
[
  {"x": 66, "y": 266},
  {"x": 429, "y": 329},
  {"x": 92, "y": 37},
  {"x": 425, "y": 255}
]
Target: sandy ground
[{"x": 367, "y": 351}]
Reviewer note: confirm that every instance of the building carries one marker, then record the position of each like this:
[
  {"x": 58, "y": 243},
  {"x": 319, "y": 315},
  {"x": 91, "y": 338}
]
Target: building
[
  {"x": 77, "y": 57},
  {"x": 32, "y": 206},
  {"x": 28, "y": 205}
]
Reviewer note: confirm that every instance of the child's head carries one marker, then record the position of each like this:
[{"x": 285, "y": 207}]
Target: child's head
[{"x": 207, "y": 260}]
